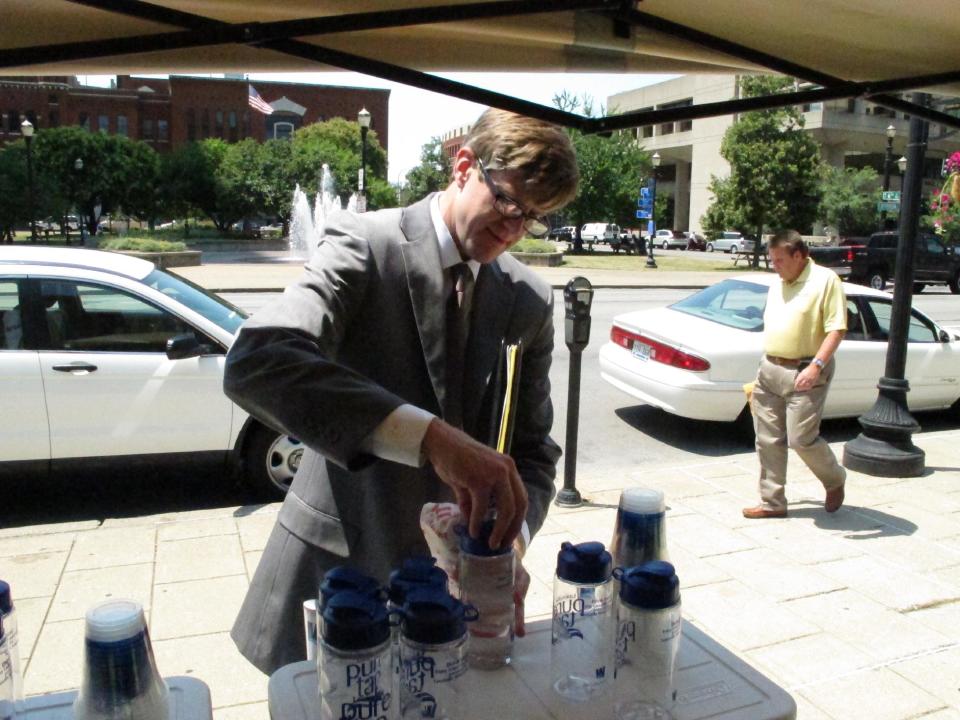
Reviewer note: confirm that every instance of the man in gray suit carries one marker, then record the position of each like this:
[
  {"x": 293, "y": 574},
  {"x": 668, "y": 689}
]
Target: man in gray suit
[{"x": 355, "y": 360}]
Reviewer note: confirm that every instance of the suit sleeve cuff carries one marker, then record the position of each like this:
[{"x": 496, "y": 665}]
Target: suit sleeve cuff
[{"x": 400, "y": 436}]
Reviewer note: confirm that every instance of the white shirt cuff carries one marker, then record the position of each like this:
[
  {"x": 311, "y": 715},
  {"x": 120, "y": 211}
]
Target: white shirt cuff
[{"x": 400, "y": 436}]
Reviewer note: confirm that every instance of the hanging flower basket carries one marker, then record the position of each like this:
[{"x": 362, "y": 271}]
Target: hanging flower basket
[{"x": 946, "y": 204}]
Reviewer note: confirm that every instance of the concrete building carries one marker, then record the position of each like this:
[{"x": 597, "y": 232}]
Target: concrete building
[
  {"x": 851, "y": 133},
  {"x": 165, "y": 113}
]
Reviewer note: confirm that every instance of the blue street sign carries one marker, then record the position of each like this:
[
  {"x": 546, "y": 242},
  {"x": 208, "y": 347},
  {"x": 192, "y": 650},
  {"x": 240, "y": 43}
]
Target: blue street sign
[{"x": 643, "y": 214}]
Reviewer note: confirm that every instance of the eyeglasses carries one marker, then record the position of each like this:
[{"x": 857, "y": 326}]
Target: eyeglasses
[{"x": 536, "y": 225}]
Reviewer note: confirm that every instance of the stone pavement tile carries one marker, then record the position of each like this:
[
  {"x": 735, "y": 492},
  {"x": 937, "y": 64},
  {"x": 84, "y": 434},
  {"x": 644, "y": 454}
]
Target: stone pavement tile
[
  {"x": 875, "y": 694},
  {"x": 942, "y": 482},
  {"x": 774, "y": 575},
  {"x": 718, "y": 471},
  {"x": 198, "y": 558},
  {"x": 35, "y": 544},
  {"x": 196, "y": 607},
  {"x": 540, "y": 559},
  {"x": 894, "y": 587},
  {"x": 34, "y": 575},
  {"x": 725, "y": 508},
  {"x": 806, "y": 710},
  {"x": 913, "y": 552},
  {"x": 250, "y": 561},
  {"x": 684, "y": 484},
  {"x": 705, "y": 537},
  {"x": 908, "y": 515},
  {"x": 801, "y": 542},
  {"x": 945, "y": 619},
  {"x": 742, "y": 618},
  {"x": 587, "y": 524},
  {"x": 173, "y": 517},
  {"x": 918, "y": 492},
  {"x": 57, "y": 660},
  {"x": 539, "y": 600},
  {"x": 950, "y": 576},
  {"x": 214, "y": 659},
  {"x": 691, "y": 570},
  {"x": 255, "y": 530},
  {"x": 189, "y": 529},
  {"x": 50, "y": 529},
  {"x": 106, "y": 548},
  {"x": 250, "y": 711},
  {"x": 944, "y": 714},
  {"x": 811, "y": 659},
  {"x": 884, "y": 634},
  {"x": 937, "y": 672},
  {"x": 82, "y": 589},
  {"x": 31, "y": 614}
]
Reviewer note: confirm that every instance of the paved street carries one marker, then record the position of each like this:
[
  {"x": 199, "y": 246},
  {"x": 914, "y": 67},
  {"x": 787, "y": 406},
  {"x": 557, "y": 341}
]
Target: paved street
[{"x": 856, "y": 614}]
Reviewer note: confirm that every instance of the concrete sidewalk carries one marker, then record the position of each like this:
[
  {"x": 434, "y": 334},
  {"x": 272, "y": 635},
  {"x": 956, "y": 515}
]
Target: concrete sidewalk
[{"x": 856, "y": 614}]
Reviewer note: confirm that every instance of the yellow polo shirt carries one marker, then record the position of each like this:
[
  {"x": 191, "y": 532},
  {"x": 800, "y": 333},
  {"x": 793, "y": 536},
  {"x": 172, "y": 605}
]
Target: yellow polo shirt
[{"x": 799, "y": 314}]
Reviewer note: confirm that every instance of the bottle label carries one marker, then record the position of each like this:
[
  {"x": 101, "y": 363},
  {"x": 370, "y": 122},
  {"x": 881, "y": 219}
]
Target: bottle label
[{"x": 354, "y": 690}]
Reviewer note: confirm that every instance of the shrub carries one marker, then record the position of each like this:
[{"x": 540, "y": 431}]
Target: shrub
[
  {"x": 534, "y": 245},
  {"x": 140, "y": 244}
]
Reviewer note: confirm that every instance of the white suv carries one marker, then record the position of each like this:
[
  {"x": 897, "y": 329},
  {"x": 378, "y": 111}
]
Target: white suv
[{"x": 105, "y": 359}]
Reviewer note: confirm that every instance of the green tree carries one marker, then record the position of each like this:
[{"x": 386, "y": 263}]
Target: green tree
[
  {"x": 431, "y": 175},
  {"x": 13, "y": 189},
  {"x": 774, "y": 177},
  {"x": 187, "y": 176},
  {"x": 276, "y": 168},
  {"x": 849, "y": 201},
  {"x": 142, "y": 198}
]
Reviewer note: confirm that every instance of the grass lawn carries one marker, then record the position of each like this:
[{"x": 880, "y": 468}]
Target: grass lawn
[{"x": 608, "y": 261}]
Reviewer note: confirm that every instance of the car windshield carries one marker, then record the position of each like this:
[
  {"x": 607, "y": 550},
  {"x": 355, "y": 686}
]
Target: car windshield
[
  {"x": 733, "y": 303},
  {"x": 212, "y": 307}
]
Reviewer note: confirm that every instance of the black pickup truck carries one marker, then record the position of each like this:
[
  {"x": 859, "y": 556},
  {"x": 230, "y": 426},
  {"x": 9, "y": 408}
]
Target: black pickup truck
[
  {"x": 934, "y": 263},
  {"x": 839, "y": 258}
]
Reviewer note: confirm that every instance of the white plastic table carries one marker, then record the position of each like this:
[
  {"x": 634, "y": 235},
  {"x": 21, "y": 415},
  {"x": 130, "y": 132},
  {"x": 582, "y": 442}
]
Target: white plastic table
[
  {"x": 712, "y": 683},
  {"x": 189, "y": 700}
]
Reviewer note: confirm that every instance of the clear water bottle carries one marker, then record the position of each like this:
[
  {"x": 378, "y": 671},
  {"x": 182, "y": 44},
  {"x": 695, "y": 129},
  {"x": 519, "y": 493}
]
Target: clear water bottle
[
  {"x": 120, "y": 677},
  {"x": 335, "y": 580},
  {"x": 7, "y": 708},
  {"x": 648, "y": 639},
  {"x": 8, "y": 612},
  {"x": 639, "y": 534},
  {"x": 582, "y": 649},
  {"x": 433, "y": 655},
  {"x": 487, "y": 583},
  {"x": 353, "y": 661}
]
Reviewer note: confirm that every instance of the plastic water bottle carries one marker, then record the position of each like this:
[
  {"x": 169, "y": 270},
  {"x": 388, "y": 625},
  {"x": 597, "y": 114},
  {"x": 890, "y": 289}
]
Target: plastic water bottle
[
  {"x": 582, "y": 649},
  {"x": 487, "y": 583},
  {"x": 8, "y": 613},
  {"x": 433, "y": 655},
  {"x": 336, "y": 580},
  {"x": 7, "y": 708},
  {"x": 639, "y": 534},
  {"x": 648, "y": 638},
  {"x": 120, "y": 677},
  {"x": 353, "y": 662}
]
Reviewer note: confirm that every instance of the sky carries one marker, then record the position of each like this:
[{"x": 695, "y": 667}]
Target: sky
[{"x": 417, "y": 115}]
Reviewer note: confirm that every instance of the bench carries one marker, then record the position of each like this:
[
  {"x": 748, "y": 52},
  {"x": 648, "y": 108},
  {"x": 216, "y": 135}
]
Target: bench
[{"x": 747, "y": 257}]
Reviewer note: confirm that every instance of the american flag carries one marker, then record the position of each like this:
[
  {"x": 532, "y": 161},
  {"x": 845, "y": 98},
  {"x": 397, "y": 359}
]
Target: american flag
[{"x": 257, "y": 102}]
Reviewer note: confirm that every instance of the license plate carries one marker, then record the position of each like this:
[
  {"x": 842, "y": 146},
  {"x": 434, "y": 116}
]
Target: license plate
[{"x": 641, "y": 350}]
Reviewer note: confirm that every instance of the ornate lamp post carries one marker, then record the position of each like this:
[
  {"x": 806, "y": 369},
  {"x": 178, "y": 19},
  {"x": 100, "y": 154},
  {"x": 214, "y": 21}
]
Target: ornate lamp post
[
  {"x": 78, "y": 166},
  {"x": 26, "y": 129},
  {"x": 652, "y": 224},
  {"x": 888, "y": 156},
  {"x": 363, "y": 119}
]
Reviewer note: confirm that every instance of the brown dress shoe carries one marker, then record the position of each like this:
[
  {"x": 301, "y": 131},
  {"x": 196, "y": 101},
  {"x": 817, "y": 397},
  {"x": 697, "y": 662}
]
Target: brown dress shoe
[
  {"x": 760, "y": 512},
  {"x": 834, "y": 500}
]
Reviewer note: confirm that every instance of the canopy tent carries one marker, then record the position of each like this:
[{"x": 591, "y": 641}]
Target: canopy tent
[{"x": 840, "y": 48}]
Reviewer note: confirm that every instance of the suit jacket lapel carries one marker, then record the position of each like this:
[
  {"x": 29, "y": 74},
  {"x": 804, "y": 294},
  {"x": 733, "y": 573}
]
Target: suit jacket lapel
[
  {"x": 492, "y": 302},
  {"x": 421, "y": 258}
]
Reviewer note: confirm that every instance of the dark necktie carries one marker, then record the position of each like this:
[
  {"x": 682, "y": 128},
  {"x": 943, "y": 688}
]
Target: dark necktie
[{"x": 458, "y": 330}]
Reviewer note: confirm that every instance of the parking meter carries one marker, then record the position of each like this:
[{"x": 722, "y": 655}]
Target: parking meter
[{"x": 577, "y": 297}]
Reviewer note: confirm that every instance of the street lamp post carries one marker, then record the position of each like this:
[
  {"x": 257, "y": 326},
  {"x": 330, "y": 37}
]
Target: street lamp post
[
  {"x": 652, "y": 224},
  {"x": 363, "y": 119},
  {"x": 902, "y": 167},
  {"x": 78, "y": 166},
  {"x": 888, "y": 156},
  {"x": 26, "y": 129}
]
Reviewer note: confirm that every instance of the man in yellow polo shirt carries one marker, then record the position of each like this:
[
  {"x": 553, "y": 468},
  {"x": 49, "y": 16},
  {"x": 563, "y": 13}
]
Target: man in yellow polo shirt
[{"x": 804, "y": 322}]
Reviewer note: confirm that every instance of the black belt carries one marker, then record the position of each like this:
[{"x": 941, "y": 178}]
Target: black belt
[{"x": 788, "y": 362}]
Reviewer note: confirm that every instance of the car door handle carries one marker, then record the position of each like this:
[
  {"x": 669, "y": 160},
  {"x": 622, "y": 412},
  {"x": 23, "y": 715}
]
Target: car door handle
[{"x": 74, "y": 367}]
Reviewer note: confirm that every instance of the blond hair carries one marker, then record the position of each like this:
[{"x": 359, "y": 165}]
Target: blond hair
[{"x": 541, "y": 151}]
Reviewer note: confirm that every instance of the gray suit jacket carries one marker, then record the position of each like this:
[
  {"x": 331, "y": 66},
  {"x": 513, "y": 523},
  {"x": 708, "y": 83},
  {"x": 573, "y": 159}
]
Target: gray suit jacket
[{"x": 360, "y": 333}]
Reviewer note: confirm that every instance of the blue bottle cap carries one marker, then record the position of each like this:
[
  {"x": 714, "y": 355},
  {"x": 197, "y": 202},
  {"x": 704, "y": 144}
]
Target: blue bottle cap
[
  {"x": 343, "y": 578},
  {"x": 653, "y": 585},
  {"x": 479, "y": 545},
  {"x": 6, "y": 599},
  {"x": 585, "y": 563},
  {"x": 432, "y": 617},
  {"x": 354, "y": 621},
  {"x": 419, "y": 571}
]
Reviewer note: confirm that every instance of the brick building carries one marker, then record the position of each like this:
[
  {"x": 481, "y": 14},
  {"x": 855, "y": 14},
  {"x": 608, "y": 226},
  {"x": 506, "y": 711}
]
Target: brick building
[{"x": 166, "y": 113}]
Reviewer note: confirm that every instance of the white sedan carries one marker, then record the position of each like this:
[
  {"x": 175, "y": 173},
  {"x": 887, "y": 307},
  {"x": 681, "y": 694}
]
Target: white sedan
[
  {"x": 692, "y": 358},
  {"x": 105, "y": 360}
]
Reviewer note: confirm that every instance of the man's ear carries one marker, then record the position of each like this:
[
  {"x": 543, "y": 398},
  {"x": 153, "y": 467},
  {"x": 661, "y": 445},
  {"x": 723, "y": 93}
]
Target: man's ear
[{"x": 462, "y": 162}]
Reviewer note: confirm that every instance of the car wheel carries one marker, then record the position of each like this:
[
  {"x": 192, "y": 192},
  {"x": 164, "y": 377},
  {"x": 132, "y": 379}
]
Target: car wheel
[
  {"x": 665, "y": 245},
  {"x": 734, "y": 249},
  {"x": 954, "y": 284},
  {"x": 918, "y": 288},
  {"x": 877, "y": 280},
  {"x": 270, "y": 460},
  {"x": 709, "y": 247}
]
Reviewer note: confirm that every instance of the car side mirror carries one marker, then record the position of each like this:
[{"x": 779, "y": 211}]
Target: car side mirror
[
  {"x": 180, "y": 347},
  {"x": 944, "y": 336}
]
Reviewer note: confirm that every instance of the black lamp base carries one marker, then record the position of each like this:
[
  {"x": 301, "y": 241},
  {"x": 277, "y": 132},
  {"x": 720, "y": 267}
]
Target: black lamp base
[
  {"x": 884, "y": 448},
  {"x": 568, "y": 497}
]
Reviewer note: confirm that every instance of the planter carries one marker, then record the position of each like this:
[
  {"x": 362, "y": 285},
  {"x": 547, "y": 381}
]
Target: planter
[
  {"x": 554, "y": 259},
  {"x": 179, "y": 258},
  {"x": 239, "y": 244}
]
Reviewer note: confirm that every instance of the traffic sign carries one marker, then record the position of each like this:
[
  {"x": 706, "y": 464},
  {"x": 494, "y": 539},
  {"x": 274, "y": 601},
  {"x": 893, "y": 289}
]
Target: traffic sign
[
  {"x": 891, "y": 196},
  {"x": 888, "y": 206},
  {"x": 643, "y": 214}
]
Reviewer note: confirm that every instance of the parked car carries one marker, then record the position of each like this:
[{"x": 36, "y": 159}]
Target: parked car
[
  {"x": 667, "y": 239},
  {"x": 730, "y": 242},
  {"x": 695, "y": 241},
  {"x": 564, "y": 233},
  {"x": 599, "y": 232},
  {"x": 106, "y": 360},
  {"x": 933, "y": 262},
  {"x": 692, "y": 358}
]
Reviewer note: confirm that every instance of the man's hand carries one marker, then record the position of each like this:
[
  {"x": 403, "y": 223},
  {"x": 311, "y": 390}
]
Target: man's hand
[
  {"x": 806, "y": 378},
  {"x": 478, "y": 476}
]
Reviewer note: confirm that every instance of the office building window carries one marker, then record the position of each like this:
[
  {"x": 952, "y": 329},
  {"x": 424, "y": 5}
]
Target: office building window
[
  {"x": 245, "y": 124},
  {"x": 84, "y": 121},
  {"x": 163, "y": 131},
  {"x": 191, "y": 124},
  {"x": 122, "y": 127},
  {"x": 103, "y": 123},
  {"x": 282, "y": 130},
  {"x": 53, "y": 100},
  {"x": 205, "y": 124},
  {"x": 232, "y": 122},
  {"x": 218, "y": 123},
  {"x": 146, "y": 129},
  {"x": 13, "y": 121},
  {"x": 53, "y": 118},
  {"x": 32, "y": 117}
]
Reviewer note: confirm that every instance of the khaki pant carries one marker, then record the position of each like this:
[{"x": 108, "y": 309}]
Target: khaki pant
[{"x": 782, "y": 418}]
